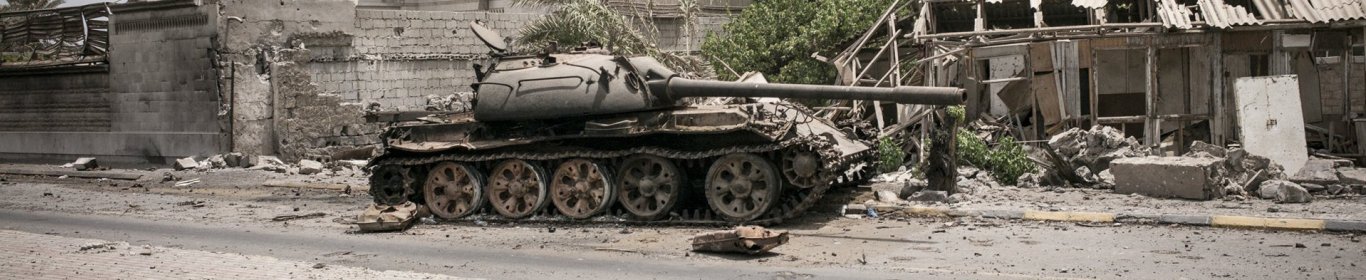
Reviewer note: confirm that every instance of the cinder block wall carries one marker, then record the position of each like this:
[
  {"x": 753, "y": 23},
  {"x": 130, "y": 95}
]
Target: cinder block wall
[{"x": 401, "y": 57}]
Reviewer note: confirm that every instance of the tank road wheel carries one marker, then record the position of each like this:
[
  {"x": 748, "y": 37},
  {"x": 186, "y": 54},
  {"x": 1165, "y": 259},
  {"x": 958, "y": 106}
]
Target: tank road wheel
[
  {"x": 581, "y": 189},
  {"x": 517, "y": 188},
  {"x": 453, "y": 190},
  {"x": 741, "y": 187},
  {"x": 801, "y": 168},
  {"x": 390, "y": 184},
  {"x": 650, "y": 186}
]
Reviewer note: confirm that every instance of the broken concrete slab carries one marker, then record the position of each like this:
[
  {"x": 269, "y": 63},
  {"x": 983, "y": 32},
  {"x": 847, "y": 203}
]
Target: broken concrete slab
[
  {"x": 1270, "y": 119},
  {"x": 1316, "y": 171},
  {"x": 307, "y": 167},
  {"x": 1169, "y": 177},
  {"x": 744, "y": 239},
  {"x": 85, "y": 163},
  {"x": 186, "y": 163},
  {"x": 1352, "y": 176},
  {"x": 1284, "y": 192}
]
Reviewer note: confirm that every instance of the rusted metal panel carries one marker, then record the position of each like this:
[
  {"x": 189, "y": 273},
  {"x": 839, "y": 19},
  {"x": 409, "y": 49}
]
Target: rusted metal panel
[
  {"x": 74, "y": 35},
  {"x": 747, "y": 239}
]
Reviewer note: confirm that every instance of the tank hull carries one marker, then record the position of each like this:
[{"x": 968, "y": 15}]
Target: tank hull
[{"x": 692, "y": 138}]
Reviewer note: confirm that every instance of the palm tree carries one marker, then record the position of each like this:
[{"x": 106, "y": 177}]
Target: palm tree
[
  {"x": 577, "y": 21},
  {"x": 25, "y": 5}
]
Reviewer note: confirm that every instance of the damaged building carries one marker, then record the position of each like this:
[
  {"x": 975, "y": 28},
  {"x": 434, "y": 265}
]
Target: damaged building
[
  {"x": 1257, "y": 73},
  {"x": 153, "y": 81}
]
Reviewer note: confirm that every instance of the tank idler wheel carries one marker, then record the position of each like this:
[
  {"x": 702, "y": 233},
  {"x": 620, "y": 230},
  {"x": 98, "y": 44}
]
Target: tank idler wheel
[
  {"x": 650, "y": 186},
  {"x": 801, "y": 168},
  {"x": 453, "y": 190},
  {"x": 517, "y": 188},
  {"x": 741, "y": 187},
  {"x": 581, "y": 189},
  {"x": 391, "y": 184}
]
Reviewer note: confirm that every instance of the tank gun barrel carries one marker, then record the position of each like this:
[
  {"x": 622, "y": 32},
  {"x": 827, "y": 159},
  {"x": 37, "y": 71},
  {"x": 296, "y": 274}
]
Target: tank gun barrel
[{"x": 681, "y": 87}]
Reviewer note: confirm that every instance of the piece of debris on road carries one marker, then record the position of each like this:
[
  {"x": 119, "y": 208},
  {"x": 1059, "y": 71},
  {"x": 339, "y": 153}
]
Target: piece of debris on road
[
  {"x": 282, "y": 218},
  {"x": 379, "y": 218},
  {"x": 745, "y": 239}
]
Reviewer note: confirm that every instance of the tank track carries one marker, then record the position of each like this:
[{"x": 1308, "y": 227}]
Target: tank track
[{"x": 791, "y": 205}]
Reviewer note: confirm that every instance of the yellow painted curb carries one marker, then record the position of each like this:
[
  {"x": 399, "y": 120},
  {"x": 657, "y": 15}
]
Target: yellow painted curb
[
  {"x": 1269, "y": 223},
  {"x": 1069, "y": 216},
  {"x": 927, "y": 211}
]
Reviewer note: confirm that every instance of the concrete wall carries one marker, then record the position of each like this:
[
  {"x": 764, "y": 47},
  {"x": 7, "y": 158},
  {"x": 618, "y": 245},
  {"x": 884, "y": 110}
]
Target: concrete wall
[
  {"x": 157, "y": 98},
  {"x": 255, "y": 39}
]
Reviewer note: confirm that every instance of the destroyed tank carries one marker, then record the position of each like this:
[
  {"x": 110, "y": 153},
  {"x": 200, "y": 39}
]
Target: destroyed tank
[{"x": 585, "y": 134}]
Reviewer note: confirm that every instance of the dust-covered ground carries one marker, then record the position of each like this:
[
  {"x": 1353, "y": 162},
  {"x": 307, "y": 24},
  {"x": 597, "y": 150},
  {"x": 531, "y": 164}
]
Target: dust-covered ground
[{"x": 231, "y": 211}]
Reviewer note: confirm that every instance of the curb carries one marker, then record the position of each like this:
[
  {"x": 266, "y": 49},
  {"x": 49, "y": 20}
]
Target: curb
[{"x": 1243, "y": 222}]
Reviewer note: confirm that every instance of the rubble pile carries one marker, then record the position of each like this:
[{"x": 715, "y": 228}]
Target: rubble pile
[
  {"x": 1237, "y": 170},
  {"x": 458, "y": 102},
  {"x": 1082, "y": 157}
]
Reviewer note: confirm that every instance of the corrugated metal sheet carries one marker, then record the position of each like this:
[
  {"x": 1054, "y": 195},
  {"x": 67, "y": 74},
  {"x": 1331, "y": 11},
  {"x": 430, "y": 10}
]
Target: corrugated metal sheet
[
  {"x": 1090, "y": 4},
  {"x": 1321, "y": 11},
  {"x": 1174, "y": 15},
  {"x": 1222, "y": 15}
]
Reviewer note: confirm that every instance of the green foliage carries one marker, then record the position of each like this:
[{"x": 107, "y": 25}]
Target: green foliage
[
  {"x": 573, "y": 22},
  {"x": 777, "y": 38},
  {"x": 890, "y": 155},
  {"x": 1006, "y": 162},
  {"x": 1009, "y": 160},
  {"x": 958, "y": 112}
]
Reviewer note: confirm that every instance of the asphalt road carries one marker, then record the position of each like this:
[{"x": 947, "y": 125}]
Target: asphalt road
[
  {"x": 398, "y": 253},
  {"x": 237, "y": 221}
]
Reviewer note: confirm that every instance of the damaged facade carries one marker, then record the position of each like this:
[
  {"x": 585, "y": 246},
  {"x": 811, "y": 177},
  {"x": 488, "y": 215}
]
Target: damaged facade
[
  {"x": 1168, "y": 72},
  {"x": 163, "y": 80},
  {"x": 197, "y": 78}
]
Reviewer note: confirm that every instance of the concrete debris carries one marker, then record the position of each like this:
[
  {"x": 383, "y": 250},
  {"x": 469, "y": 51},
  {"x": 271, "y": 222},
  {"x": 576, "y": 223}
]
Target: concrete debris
[
  {"x": 379, "y": 218},
  {"x": 1202, "y": 149},
  {"x": 1095, "y": 148},
  {"x": 929, "y": 196},
  {"x": 307, "y": 167},
  {"x": 1316, "y": 171},
  {"x": 1352, "y": 176},
  {"x": 85, "y": 163},
  {"x": 353, "y": 163},
  {"x": 1247, "y": 170},
  {"x": 458, "y": 102},
  {"x": 186, "y": 163},
  {"x": 234, "y": 160},
  {"x": 744, "y": 239},
  {"x": 270, "y": 163},
  {"x": 212, "y": 162},
  {"x": 1284, "y": 192},
  {"x": 853, "y": 209},
  {"x": 1179, "y": 177},
  {"x": 886, "y": 196}
]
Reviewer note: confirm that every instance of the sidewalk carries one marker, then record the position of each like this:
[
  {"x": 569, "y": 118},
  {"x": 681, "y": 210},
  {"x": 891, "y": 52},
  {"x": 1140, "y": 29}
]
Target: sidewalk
[
  {"x": 38, "y": 256},
  {"x": 1249, "y": 222}
]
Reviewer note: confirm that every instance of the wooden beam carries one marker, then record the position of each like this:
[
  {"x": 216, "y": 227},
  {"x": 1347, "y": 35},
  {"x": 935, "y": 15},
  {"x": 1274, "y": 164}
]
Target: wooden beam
[
  {"x": 1216, "y": 57},
  {"x": 1151, "y": 131}
]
